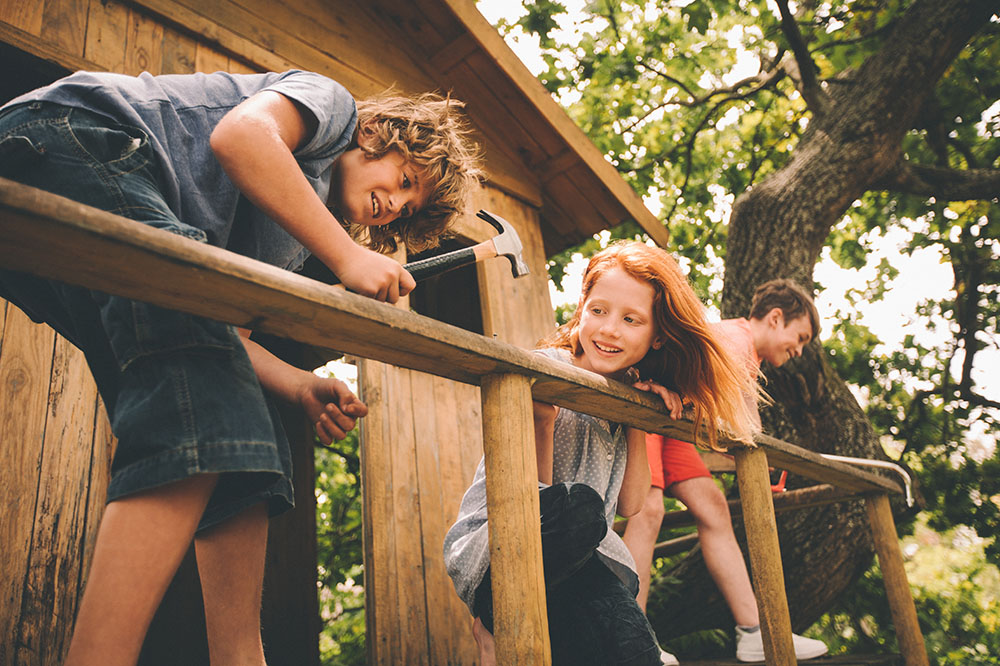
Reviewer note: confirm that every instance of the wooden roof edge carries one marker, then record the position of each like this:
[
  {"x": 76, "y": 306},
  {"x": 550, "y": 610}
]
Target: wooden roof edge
[{"x": 487, "y": 37}]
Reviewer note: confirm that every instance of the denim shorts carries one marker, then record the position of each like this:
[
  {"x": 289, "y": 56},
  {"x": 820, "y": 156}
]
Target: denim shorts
[
  {"x": 594, "y": 620},
  {"x": 181, "y": 393}
]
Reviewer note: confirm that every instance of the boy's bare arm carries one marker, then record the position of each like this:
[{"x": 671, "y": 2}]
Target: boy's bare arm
[
  {"x": 635, "y": 482},
  {"x": 254, "y": 144},
  {"x": 328, "y": 403},
  {"x": 545, "y": 422}
]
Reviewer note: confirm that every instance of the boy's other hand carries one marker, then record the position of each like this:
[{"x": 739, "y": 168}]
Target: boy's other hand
[
  {"x": 672, "y": 401},
  {"x": 332, "y": 407},
  {"x": 375, "y": 275}
]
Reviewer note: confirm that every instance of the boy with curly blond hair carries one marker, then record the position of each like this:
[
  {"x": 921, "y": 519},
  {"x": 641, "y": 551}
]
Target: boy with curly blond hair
[{"x": 275, "y": 167}]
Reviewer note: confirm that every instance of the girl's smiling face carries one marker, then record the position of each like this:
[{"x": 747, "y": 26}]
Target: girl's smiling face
[{"x": 616, "y": 324}]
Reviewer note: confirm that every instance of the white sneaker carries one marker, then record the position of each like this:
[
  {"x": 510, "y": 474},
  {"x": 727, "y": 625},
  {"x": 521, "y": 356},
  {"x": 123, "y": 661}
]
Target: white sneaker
[
  {"x": 668, "y": 659},
  {"x": 750, "y": 646}
]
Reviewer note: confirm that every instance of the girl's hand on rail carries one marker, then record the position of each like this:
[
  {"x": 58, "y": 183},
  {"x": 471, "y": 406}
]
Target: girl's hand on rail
[{"x": 672, "y": 400}]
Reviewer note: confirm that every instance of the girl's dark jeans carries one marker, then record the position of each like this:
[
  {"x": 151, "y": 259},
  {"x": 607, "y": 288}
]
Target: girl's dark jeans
[{"x": 593, "y": 618}]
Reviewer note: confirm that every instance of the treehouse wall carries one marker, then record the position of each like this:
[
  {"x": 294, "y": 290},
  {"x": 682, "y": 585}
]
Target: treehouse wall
[{"x": 426, "y": 430}]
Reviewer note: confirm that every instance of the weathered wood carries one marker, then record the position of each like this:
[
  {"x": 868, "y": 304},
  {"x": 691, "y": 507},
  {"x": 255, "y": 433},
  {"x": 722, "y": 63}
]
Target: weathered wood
[
  {"x": 377, "y": 507},
  {"x": 143, "y": 45},
  {"x": 47, "y": 612},
  {"x": 41, "y": 48},
  {"x": 68, "y": 241},
  {"x": 520, "y": 620},
  {"x": 107, "y": 23},
  {"x": 23, "y": 14},
  {"x": 411, "y": 618},
  {"x": 897, "y": 588},
  {"x": 782, "y": 455},
  {"x": 64, "y": 23},
  {"x": 25, "y": 365},
  {"x": 791, "y": 500},
  {"x": 765, "y": 556}
]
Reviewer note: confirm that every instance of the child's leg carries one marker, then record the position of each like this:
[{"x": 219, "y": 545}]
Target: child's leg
[
  {"x": 718, "y": 544},
  {"x": 485, "y": 643},
  {"x": 140, "y": 543},
  {"x": 231, "y": 568},
  {"x": 640, "y": 537},
  {"x": 595, "y": 621}
]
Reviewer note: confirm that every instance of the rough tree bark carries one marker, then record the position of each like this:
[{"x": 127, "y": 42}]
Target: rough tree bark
[{"x": 777, "y": 229}]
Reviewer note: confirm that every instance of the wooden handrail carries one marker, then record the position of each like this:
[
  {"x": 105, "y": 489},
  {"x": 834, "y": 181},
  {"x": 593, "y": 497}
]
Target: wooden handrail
[
  {"x": 48, "y": 235},
  {"x": 58, "y": 238}
]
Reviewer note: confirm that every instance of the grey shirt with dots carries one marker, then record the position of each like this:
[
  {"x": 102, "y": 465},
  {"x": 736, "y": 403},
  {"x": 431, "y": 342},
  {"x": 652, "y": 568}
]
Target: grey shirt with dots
[{"x": 586, "y": 450}]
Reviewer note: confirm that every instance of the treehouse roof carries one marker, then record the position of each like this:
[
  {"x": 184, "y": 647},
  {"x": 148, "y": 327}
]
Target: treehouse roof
[{"x": 533, "y": 149}]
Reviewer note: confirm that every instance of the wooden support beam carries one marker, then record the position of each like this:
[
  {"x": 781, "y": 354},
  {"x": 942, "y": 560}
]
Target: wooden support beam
[
  {"x": 520, "y": 620},
  {"x": 765, "y": 556},
  {"x": 897, "y": 588}
]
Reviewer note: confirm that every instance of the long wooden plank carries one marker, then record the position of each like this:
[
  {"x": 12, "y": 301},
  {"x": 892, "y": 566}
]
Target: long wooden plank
[
  {"x": 58, "y": 530},
  {"x": 382, "y": 642},
  {"x": 65, "y": 240},
  {"x": 520, "y": 619},
  {"x": 41, "y": 48},
  {"x": 64, "y": 23},
  {"x": 25, "y": 365},
  {"x": 897, "y": 588},
  {"x": 765, "y": 557}
]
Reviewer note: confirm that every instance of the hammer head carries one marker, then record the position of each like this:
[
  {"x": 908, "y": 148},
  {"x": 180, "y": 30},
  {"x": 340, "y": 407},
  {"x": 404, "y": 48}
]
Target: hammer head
[{"x": 507, "y": 243}]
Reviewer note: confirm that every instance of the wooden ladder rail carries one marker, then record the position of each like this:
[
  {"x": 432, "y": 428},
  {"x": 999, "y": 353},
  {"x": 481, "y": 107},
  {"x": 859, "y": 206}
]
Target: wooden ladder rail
[{"x": 57, "y": 238}]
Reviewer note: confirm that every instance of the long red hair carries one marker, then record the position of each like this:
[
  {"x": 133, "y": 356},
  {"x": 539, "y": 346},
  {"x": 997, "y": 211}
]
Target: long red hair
[{"x": 691, "y": 360}]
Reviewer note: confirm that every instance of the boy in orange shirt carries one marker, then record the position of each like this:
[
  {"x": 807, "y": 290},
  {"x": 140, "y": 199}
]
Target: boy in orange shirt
[{"x": 783, "y": 319}]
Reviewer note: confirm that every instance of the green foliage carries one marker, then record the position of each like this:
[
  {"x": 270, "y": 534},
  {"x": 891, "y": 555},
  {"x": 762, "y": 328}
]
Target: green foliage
[
  {"x": 956, "y": 592},
  {"x": 340, "y": 553},
  {"x": 659, "y": 88}
]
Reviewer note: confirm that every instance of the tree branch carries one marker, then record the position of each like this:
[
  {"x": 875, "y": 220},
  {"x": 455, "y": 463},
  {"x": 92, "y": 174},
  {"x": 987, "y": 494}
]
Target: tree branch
[
  {"x": 814, "y": 95},
  {"x": 940, "y": 183}
]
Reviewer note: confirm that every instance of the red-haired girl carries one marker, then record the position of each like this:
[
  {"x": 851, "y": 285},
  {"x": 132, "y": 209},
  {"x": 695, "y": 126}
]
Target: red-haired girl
[{"x": 636, "y": 311}]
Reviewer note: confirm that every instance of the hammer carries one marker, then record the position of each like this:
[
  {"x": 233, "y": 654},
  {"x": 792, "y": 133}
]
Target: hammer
[{"x": 506, "y": 244}]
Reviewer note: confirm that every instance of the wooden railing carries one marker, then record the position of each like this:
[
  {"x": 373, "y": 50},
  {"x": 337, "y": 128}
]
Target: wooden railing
[{"x": 57, "y": 238}]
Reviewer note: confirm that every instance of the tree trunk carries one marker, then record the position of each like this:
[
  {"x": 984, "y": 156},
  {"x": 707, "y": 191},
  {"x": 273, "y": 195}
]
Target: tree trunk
[{"x": 777, "y": 229}]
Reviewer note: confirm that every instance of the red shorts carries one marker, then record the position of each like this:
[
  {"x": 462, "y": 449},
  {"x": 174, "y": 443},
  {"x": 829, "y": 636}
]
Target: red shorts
[{"x": 671, "y": 461}]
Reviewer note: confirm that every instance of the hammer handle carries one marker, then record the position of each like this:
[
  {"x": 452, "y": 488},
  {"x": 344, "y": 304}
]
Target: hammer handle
[{"x": 441, "y": 263}]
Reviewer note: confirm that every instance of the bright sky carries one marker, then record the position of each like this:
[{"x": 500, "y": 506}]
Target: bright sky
[{"x": 922, "y": 275}]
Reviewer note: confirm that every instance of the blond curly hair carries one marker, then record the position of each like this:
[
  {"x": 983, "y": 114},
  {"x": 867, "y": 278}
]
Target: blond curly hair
[{"x": 427, "y": 130}]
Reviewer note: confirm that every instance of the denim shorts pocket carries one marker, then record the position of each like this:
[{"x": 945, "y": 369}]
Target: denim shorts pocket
[
  {"x": 119, "y": 148},
  {"x": 15, "y": 152}
]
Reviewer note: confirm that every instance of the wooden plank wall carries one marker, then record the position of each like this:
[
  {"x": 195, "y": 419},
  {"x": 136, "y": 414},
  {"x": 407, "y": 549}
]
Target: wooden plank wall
[
  {"x": 57, "y": 450},
  {"x": 422, "y": 441},
  {"x": 429, "y": 436},
  {"x": 56, "y": 438}
]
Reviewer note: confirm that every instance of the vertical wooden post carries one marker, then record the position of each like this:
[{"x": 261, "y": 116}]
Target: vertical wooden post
[
  {"x": 897, "y": 588},
  {"x": 520, "y": 621},
  {"x": 765, "y": 555}
]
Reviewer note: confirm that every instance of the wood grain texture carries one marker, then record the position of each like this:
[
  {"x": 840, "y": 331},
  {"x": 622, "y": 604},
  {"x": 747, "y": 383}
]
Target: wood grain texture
[
  {"x": 25, "y": 366},
  {"x": 107, "y": 26},
  {"x": 520, "y": 620},
  {"x": 765, "y": 556},
  {"x": 65, "y": 240},
  {"x": 897, "y": 587},
  {"x": 58, "y": 529}
]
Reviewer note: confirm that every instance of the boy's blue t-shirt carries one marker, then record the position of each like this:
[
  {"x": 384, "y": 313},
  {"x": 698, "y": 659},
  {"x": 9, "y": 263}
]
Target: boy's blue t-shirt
[{"x": 179, "y": 112}]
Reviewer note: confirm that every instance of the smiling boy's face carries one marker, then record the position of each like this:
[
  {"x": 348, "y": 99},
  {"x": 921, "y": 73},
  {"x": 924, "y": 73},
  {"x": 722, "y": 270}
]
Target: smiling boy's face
[
  {"x": 784, "y": 340},
  {"x": 376, "y": 192}
]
